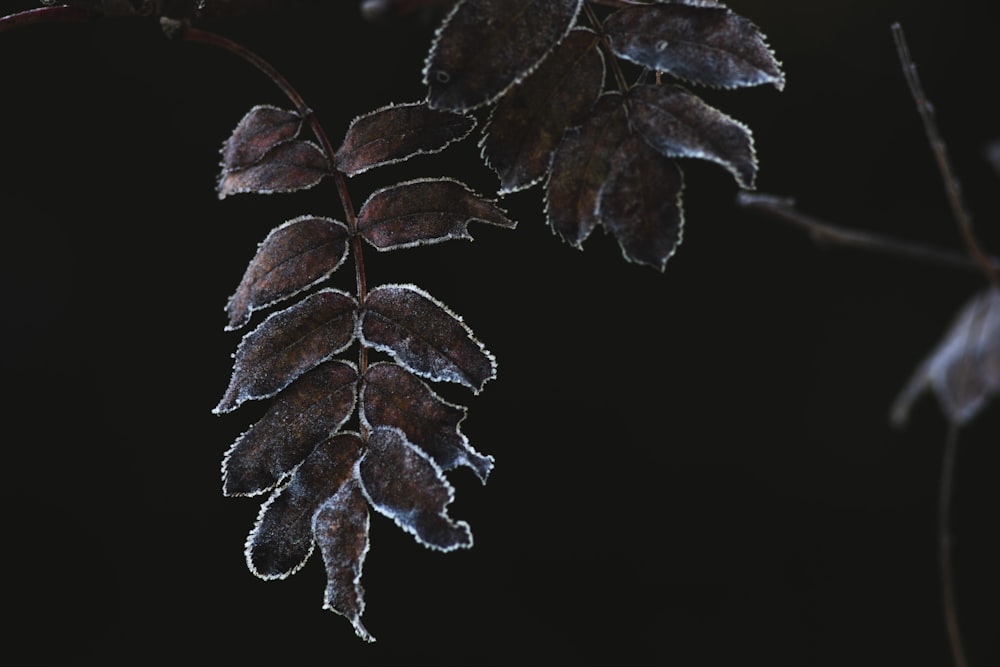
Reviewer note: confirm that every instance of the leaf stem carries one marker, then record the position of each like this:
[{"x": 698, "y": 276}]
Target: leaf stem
[
  {"x": 616, "y": 69},
  {"x": 952, "y": 186},
  {"x": 185, "y": 32},
  {"x": 944, "y": 546},
  {"x": 50, "y": 14},
  {"x": 823, "y": 232}
]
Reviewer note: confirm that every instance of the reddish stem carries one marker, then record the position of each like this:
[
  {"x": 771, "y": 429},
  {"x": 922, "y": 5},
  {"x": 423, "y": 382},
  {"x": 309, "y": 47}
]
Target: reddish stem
[{"x": 53, "y": 14}]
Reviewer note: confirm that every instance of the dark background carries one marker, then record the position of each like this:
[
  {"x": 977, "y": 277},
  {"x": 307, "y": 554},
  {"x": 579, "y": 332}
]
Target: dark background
[{"x": 692, "y": 468}]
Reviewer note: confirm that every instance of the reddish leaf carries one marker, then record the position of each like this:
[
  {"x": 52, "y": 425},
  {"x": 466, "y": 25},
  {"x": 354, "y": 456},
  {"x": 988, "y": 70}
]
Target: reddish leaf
[
  {"x": 404, "y": 484},
  {"x": 704, "y": 43},
  {"x": 424, "y": 211},
  {"x": 640, "y": 204},
  {"x": 399, "y": 132},
  {"x": 485, "y": 46},
  {"x": 530, "y": 119},
  {"x": 580, "y": 166},
  {"x": 288, "y": 343},
  {"x": 282, "y": 539},
  {"x": 293, "y": 257},
  {"x": 392, "y": 396},
  {"x": 308, "y": 411},
  {"x": 290, "y": 166},
  {"x": 340, "y": 528},
  {"x": 424, "y": 336},
  {"x": 263, "y": 128},
  {"x": 964, "y": 369},
  {"x": 679, "y": 124}
]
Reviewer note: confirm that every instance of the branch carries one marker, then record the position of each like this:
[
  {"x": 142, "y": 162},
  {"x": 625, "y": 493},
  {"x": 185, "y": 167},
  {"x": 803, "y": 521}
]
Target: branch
[
  {"x": 783, "y": 209},
  {"x": 952, "y": 186}
]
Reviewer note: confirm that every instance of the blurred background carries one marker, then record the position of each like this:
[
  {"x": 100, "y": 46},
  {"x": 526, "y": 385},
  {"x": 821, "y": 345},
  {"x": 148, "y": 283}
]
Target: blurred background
[{"x": 692, "y": 467}]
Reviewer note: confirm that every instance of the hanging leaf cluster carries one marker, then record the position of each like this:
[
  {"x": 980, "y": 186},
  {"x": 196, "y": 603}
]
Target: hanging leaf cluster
[
  {"x": 342, "y": 436},
  {"x": 562, "y": 113}
]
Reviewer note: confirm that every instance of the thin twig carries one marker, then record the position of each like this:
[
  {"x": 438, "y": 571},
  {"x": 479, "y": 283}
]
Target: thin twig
[
  {"x": 952, "y": 186},
  {"x": 944, "y": 546},
  {"x": 823, "y": 232}
]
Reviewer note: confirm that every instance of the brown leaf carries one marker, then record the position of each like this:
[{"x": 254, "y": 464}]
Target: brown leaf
[
  {"x": 404, "y": 484},
  {"x": 485, "y": 46},
  {"x": 290, "y": 166},
  {"x": 424, "y": 211},
  {"x": 640, "y": 204},
  {"x": 580, "y": 166},
  {"x": 282, "y": 539},
  {"x": 398, "y": 132},
  {"x": 679, "y": 124},
  {"x": 424, "y": 336},
  {"x": 392, "y": 396},
  {"x": 704, "y": 43},
  {"x": 963, "y": 370},
  {"x": 293, "y": 257},
  {"x": 288, "y": 343},
  {"x": 305, "y": 413},
  {"x": 340, "y": 528},
  {"x": 262, "y": 129},
  {"x": 530, "y": 119}
]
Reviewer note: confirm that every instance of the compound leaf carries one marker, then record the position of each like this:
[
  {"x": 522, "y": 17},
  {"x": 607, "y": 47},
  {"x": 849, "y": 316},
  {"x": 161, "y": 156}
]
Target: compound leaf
[
  {"x": 485, "y": 46},
  {"x": 304, "y": 414},
  {"x": 424, "y": 211},
  {"x": 340, "y": 529},
  {"x": 679, "y": 124},
  {"x": 398, "y": 132},
  {"x": 289, "y": 166},
  {"x": 288, "y": 343},
  {"x": 530, "y": 119},
  {"x": 282, "y": 539},
  {"x": 403, "y": 483},
  {"x": 392, "y": 396},
  {"x": 705, "y": 43},
  {"x": 580, "y": 166},
  {"x": 293, "y": 257},
  {"x": 963, "y": 370},
  {"x": 640, "y": 204}
]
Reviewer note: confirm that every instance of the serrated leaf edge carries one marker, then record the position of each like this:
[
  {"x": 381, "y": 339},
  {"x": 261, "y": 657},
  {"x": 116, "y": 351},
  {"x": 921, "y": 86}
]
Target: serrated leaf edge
[
  {"x": 441, "y": 478},
  {"x": 385, "y": 348},
  {"x": 356, "y": 172}
]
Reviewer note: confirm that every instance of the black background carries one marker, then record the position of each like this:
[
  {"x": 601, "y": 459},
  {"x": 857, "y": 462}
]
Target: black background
[{"x": 693, "y": 468}]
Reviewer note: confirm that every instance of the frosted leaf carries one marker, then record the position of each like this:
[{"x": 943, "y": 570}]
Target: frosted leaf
[
  {"x": 258, "y": 132},
  {"x": 404, "y": 484},
  {"x": 640, "y": 204},
  {"x": 398, "y": 132},
  {"x": 963, "y": 370},
  {"x": 702, "y": 43},
  {"x": 392, "y": 396},
  {"x": 679, "y": 124},
  {"x": 424, "y": 336},
  {"x": 529, "y": 121},
  {"x": 282, "y": 539},
  {"x": 294, "y": 256},
  {"x": 291, "y": 166},
  {"x": 288, "y": 343},
  {"x": 485, "y": 46},
  {"x": 301, "y": 416},
  {"x": 580, "y": 165},
  {"x": 340, "y": 528},
  {"x": 425, "y": 211}
]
